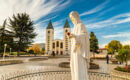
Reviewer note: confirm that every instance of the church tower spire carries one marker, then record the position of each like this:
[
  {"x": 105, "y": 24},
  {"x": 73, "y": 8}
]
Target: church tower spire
[
  {"x": 66, "y": 40},
  {"x": 49, "y": 37},
  {"x": 50, "y": 26},
  {"x": 66, "y": 24}
]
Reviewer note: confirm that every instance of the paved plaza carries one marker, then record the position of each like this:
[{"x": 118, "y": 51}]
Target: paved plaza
[{"x": 50, "y": 65}]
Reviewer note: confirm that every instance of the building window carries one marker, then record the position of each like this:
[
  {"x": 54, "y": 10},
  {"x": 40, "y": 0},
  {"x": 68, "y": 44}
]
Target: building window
[
  {"x": 53, "y": 45},
  {"x": 48, "y": 32},
  {"x": 57, "y": 44},
  {"x": 61, "y": 53},
  {"x": 57, "y": 52},
  {"x": 61, "y": 45},
  {"x": 66, "y": 31}
]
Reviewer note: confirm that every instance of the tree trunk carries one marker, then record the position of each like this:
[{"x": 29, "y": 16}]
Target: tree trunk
[
  {"x": 93, "y": 55},
  {"x": 126, "y": 63}
]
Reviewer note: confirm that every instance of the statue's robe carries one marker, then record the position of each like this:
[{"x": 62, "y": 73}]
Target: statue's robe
[{"x": 80, "y": 52}]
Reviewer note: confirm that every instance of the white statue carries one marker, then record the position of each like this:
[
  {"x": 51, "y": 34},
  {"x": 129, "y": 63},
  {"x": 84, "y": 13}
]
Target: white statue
[{"x": 80, "y": 49}]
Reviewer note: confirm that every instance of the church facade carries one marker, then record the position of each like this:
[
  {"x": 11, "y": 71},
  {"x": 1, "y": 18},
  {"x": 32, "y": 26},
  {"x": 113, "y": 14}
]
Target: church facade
[{"x": 57, "y": 46}]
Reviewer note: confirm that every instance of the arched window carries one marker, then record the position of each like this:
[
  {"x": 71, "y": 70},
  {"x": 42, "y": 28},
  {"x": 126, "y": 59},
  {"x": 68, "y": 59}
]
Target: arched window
[
  {"x": 66, "y": 31},
  {"x": 61, "y": 53},
  {"x": 48, "y": 34},
  {"x": 57, "y": 52},
  {"x": 54, "y": 45},
  {"x": 61, "y": 45},
  {"x": 57, "y": 43}
]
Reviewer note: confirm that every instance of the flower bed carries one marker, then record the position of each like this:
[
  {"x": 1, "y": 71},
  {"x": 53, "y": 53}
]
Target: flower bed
[
  {"x": 123, "y": 69},
  {"x": 9, "y": 62}
]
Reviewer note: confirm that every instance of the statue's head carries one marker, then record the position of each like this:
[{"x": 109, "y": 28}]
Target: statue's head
[{"x": 74, "y": 16}]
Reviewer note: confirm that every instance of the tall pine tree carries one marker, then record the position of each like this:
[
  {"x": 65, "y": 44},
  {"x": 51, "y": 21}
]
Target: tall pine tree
[
  {"x": 23, "y": 28},
  {"x": 93, "y": 44},
  {"x": 6, "y": 37}
]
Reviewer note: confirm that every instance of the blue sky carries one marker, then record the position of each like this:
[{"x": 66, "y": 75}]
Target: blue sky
[{"x": 109, "y": 19}]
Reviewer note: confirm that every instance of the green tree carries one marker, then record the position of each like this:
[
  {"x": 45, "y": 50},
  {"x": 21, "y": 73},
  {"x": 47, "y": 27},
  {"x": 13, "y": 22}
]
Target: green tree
[
  {"x": 23, "y": 29},
  {"x": 126, "y": 46},
  {"x": 6, "y": 37},
  {"x": 93, "y": 44},
  {"x": 31, "y": 52},
  {"x": 114, "y": 46},
  {"x": 123, "y": 55}
]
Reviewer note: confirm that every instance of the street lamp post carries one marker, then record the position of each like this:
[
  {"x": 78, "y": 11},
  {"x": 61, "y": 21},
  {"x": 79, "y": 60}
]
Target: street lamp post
[
  {"x": 10, "y": 52},
  {"x": 4, "y": 51}
]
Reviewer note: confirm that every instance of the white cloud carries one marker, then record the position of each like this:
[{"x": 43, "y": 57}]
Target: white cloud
[
  {"x": 112, "y": 21},
  {"x": 124, "y": 35},
  {"x": 59, "y": 23},
  {"x": 41, "y": 30},
  {"x": 127, "y": 42},
  {"x": 41, "y": 33},
  {"x": 58, "y": 32},
  {"x": 121, "y": 35},
  {"x": 96, "y": 9},
  {"x": 46, "y": 20},
  {"x": 35, "y": 8},
  {"x": 102, "y": 45}
]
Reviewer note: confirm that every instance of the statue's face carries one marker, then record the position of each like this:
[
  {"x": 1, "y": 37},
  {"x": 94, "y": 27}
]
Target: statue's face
[
  {"x": 73, "y": 19},
  {"x": 74, "y": 16}
]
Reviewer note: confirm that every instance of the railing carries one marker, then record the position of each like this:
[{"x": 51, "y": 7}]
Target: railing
[{"x": 54, "y": 75}]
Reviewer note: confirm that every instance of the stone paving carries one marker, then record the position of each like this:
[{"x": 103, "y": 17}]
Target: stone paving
[{"x": 49, "y": 65}]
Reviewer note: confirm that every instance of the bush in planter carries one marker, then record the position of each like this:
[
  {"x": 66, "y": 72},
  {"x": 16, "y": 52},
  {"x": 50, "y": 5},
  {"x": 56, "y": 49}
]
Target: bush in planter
[
  {"x": 123, "y": 55},
  {"x": 123, "y": 69}
]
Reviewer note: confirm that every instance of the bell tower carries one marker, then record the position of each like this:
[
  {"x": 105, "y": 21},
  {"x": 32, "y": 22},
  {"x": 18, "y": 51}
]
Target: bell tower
[
  {"x": 66, "y": 40},
  {"x": 49, "y": 38}
]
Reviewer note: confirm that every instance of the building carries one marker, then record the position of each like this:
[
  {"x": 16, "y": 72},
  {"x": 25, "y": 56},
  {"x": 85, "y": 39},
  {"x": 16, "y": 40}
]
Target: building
[
  {"x": 102, "y": 51},
  {"x": 58, "y": 46}
]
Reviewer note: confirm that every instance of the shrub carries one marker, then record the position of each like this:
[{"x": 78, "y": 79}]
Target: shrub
[
  {"x": 13, "y": 53},
  {"x": 123, "y": 69},
  {"x": 123, "y": 56}
]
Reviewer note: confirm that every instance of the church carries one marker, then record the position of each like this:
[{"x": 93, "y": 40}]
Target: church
[{"x": 57, "y": 46}]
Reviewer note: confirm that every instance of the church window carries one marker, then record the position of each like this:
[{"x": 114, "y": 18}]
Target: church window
[
  {"x": 66, "y": 31},
  {"x": 61, "y": 53},
  {"x": 53, "y": 45},
  {"x": 57, "y": 52},
  {"x": 57, "y": 44},
  {"x": 61, "y": 45},
  {"x": 48, "y": 32}
]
